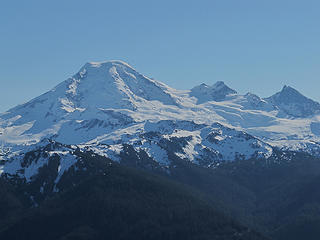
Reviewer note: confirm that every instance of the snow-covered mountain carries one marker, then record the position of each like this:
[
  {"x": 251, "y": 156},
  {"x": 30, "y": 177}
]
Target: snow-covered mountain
[
  {"x": 109, "y": 105},
  {"x": 158, "y": 144},
  {"x": 293, "y": 103},
  {"x": 216, "y": 92}
]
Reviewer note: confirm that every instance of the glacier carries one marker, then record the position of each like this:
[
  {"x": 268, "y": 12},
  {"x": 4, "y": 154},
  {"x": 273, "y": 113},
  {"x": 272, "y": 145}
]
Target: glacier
[{"x": 108, "y": 104}]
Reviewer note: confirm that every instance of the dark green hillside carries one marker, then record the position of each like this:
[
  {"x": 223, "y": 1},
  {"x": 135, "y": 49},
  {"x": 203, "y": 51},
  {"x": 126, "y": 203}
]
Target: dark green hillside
[
  {"x": 117, "y": 202},
  {"x": 278, "y": 197}
]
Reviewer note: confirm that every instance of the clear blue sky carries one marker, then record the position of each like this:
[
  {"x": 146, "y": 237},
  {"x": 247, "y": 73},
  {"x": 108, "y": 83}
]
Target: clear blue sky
[{"x": 252, "y": 45}]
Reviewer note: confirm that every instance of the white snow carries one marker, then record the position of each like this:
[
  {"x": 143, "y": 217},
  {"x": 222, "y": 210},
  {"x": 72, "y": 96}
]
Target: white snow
[
  {"x": 108, "y": 103},
  {"x": 66, "y": 161}
]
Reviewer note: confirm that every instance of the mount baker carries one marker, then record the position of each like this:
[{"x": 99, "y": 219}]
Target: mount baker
[{"x": 108, "y": 106}]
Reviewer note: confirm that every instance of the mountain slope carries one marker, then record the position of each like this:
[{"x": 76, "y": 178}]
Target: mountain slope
[
  {"x": 276, "y": 196},
  {"x": 271, "y": 195},
  {"x": 155, "y": 142},
  {"x": 109, "y": 201}
]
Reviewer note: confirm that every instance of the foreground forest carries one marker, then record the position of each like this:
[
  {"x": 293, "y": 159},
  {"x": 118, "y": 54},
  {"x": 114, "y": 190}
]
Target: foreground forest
[{"x": 245, "y": 199}]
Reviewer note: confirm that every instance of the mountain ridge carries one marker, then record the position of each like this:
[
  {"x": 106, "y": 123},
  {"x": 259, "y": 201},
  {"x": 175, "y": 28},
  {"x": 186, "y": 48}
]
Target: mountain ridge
[
  {"x": 216, "y": 92},
  {"x": 112, "y": 100}
]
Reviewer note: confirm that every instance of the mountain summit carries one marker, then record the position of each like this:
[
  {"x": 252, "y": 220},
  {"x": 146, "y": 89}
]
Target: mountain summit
[
  {"x": 216, "y": 92},
  {"x": 111, "y": 84},
  {"x": 293, "y": 103},
  {"x": 118, "y": 83}
]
